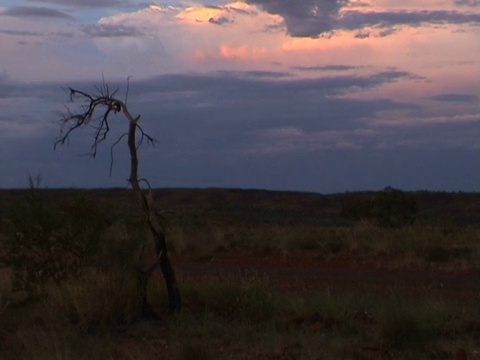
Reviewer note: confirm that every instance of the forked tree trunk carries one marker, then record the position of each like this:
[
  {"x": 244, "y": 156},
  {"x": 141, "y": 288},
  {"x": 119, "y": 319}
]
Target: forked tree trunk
[{"x": 161, "y": 252}]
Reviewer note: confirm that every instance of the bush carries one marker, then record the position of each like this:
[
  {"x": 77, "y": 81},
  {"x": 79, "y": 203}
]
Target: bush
[
  {"x": 394, "y": 207},
  {"x": 390, "y": 207},
  {"x": 45, "y": 240}
]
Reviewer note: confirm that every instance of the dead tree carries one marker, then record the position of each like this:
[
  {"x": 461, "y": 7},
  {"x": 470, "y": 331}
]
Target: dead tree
[{"x": 97, "y": 111}]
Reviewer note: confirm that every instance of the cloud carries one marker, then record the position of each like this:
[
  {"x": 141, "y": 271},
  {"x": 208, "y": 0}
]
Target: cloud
[
  {"x": 327, "y": 68},
  {"x": 293, "y": 140},
  {"x": 220, "y": 20},
  {"x": 36, "y": 34},
  {"x": 305, "y": 18},
  {"x": 225, "y": 115},
  {"x": 472, "y": 3},
  {"x": 363, "y": 34},
  {"x": 229, "y": 114},
  {"x": 233, "y": 115},
  {"x": 245, "y": 83},
  {"x": 111, "y": 30},
  {"x": 352, "y": 20},
  {"x": 244, "y": 91},
  {"x": 313, "y": 18},
  {"x": 387, "y": 32},
  {"x": 167, "y": 37},
  {"x": 20, "y": 32},
  {"x": 422, "y": 121},
  {"x": 88, "y": 3},
  {"x": 225, "y": 14},
  {"x": 257, "y": 129},
  {"x": 255, "y": 74},
  {"x": 35, "y": 12},
  {"x": 254, "y": 35},
  {"x": 455, "y": 98}
]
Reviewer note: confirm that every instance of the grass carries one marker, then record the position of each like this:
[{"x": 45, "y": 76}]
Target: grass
[
  {"x": 254, "y": 319},
  {"x": 93, "y": 313},
  {"x": 246, "y": 318},
  {"x": 414, "y": 247}
]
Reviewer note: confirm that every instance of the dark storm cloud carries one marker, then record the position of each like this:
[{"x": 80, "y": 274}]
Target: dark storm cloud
[
  {"x": 387, "y": 32},
  {"x": 232, "y": 101},
  {"x": 327, "y": 68},
  {"x": 225, "y": 80},
  {"x": 111, "y": 30},
  {"x": 35, "y": 12},
  {"x": 32, "y": 33},
  {"x": 87, "y": 3},
  {"x": 255, "y": 74},
  {"x": 20, "y": 32},
  {"x": 352, "y": 20},
  {"x": 221, "y": 112},
  {"x": 217, "y": 118},
  {"x": 220, "y": 20},
  {"x": 312, "y": 18},
  {"x": 362, "y": 34},
  {"x": 307, "y": 17},
  {"x": 455, "y": 98},
  {"x": 472, "y": 3},
  {"x": 209, "y": 125}
]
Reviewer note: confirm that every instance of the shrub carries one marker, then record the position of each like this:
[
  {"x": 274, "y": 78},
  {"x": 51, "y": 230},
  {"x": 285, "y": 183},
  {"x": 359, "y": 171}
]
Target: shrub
[
  {"x": 394, "y": 207},
  {"x": 51, "y": 240},
  {"x": 390, "y": 207}
]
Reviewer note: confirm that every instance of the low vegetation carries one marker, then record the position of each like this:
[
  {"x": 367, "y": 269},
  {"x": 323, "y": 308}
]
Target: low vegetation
[{"x": 67, "y": 280}]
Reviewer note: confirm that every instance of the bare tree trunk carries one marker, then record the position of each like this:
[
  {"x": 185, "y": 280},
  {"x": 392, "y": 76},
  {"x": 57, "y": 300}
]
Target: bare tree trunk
[{"x": 161, "y": 251}]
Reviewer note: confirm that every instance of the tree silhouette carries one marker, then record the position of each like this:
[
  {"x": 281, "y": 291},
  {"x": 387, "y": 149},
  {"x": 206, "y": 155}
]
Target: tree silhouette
[{"x": 96, "y": 111}]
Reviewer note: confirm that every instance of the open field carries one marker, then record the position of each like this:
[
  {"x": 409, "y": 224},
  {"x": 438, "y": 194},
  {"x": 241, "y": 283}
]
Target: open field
[{"x": 263, "y": 275}]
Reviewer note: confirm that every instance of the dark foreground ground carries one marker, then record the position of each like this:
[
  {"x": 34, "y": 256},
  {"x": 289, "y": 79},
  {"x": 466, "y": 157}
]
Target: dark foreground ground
[{"x": 267, "y": 275}]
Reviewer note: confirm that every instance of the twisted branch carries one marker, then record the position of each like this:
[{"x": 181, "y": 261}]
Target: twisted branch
[{"x": 96, "y": 113}]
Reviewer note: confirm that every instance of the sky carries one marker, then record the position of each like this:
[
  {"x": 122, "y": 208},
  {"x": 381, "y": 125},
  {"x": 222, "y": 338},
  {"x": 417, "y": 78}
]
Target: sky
[{"x": 306, "y": 95}]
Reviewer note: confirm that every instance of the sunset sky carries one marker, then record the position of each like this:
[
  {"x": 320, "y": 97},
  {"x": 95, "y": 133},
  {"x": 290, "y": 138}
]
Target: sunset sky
[{"x": 311, "y": 95}]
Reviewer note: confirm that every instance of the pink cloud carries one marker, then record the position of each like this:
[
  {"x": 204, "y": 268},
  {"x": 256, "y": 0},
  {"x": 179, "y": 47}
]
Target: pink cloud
[{"x": 246, "y": 52}]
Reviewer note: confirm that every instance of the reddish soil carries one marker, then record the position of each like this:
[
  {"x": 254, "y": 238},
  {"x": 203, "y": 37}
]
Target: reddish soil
[{"x": 300, "y": 273}]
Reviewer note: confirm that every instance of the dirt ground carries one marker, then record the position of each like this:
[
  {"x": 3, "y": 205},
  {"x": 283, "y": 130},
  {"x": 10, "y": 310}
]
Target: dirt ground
[{"x": 301, "y": 273}]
